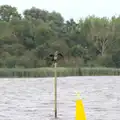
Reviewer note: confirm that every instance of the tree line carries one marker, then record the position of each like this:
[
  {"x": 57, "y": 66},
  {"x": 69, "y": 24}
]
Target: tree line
[{"x": 26, "y": 39}]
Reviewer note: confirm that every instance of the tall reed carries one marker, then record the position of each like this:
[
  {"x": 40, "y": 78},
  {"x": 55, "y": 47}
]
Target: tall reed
[{"x": 61, "y": 71}]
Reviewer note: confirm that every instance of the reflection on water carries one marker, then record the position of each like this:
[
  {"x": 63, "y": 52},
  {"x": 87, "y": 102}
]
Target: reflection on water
[{"x": 33, "y": 99}]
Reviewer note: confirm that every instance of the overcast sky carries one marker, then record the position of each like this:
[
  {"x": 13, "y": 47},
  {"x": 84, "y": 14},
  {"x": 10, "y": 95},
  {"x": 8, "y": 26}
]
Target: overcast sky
[{"x": 70, "y": 8}]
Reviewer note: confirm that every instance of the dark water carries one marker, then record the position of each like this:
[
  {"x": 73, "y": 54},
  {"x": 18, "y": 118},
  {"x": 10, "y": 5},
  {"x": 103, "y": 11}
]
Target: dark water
[{"x": 33, "y": 99}]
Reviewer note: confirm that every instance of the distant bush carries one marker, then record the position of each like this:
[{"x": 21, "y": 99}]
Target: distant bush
[{"x": 105, "y": 61}]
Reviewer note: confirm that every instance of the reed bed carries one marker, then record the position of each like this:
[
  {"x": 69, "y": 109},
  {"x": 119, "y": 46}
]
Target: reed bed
[{"x": 61, "y": 71}]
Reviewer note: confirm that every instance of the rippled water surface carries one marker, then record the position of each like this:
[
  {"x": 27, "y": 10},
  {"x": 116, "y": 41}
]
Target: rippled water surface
[{"x": 33, "y": 98}]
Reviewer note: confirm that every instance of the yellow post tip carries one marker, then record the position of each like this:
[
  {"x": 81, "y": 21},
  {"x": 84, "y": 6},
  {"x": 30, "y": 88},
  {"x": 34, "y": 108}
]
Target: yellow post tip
[{"x": 78, "y": 94}]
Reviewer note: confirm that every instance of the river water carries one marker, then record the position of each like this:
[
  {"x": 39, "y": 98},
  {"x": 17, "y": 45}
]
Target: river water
[{"x": 33, "y": 98}]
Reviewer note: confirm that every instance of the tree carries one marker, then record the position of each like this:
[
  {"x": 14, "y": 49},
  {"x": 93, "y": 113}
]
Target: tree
[
  {"x": 26, "y": 40},
  {"x": 36, "y": 13},
  {"x": 101, "y": 33},
  {"x": 8, "y": 12}
]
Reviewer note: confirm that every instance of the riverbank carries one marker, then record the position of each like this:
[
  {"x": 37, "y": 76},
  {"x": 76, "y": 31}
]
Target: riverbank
[{"x": 61, "y": 71}]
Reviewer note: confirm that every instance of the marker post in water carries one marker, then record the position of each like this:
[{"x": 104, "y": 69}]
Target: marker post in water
[
  {"x": 55, "y": 84},
  {"x": 54, "y": 58},
  {"x": 55, "y": 87},
  {"x": 80, "y": 113}
]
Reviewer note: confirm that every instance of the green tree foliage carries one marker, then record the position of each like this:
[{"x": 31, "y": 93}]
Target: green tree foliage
[
  {"x": 25, "y": 40},
  {"x": 7, "y": 13}
]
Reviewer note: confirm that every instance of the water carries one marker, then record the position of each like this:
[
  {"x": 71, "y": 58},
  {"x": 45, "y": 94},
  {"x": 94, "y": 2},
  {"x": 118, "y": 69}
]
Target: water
[{"x": 33, "y": 99}]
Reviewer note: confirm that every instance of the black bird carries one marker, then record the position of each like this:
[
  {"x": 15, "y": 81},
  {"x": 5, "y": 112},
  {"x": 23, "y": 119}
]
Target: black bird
[{"x": 54, "y": 57}]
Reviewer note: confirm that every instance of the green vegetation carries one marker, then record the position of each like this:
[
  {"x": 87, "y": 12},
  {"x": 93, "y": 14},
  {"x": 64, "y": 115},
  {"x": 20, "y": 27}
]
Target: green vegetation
[
  {"x": 61, "y": 71},
  {"x": 25, "y": 40}
]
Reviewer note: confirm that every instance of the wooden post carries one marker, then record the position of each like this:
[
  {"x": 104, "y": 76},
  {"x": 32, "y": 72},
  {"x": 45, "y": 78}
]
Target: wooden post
[
  {"x": 54, "y": 58},
  {"x": 55, "y": 89}
]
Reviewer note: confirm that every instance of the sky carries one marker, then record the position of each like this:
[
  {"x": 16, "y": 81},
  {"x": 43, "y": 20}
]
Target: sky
[{"x": 75, "y": 9}]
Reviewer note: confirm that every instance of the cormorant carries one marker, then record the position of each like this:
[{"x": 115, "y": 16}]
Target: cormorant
[{"x": 54, "y": 57}]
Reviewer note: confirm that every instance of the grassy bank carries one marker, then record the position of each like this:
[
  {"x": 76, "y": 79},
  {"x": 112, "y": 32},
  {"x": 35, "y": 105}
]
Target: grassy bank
[{"x": 61, "y": 71}]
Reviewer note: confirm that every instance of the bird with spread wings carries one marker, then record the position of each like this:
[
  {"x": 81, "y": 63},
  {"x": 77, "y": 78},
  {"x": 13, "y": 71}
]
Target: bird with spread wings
[{"x": 52, "y": 58}]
